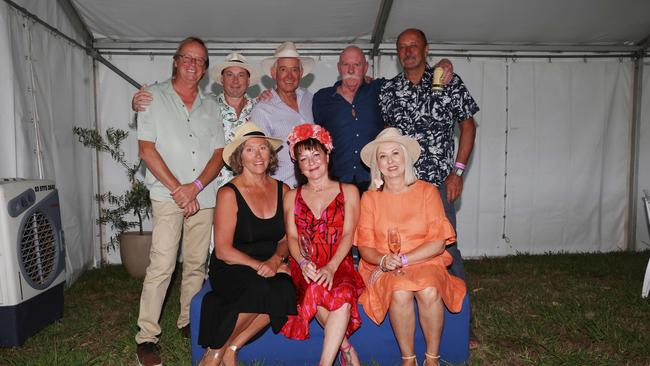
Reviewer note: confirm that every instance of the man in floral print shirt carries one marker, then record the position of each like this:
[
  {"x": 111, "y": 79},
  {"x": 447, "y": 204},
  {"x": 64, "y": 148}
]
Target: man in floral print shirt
[
  {"x": 409, "y": 103},
  {"x": 235, "y": 74}
]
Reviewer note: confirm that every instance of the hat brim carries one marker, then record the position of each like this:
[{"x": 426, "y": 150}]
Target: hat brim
[
  {"x": 369, "y": 152},
  {"x": 306, "y": 62},
  {"x": 216, "y": 70},
  {"x": 232, "y": 146}
]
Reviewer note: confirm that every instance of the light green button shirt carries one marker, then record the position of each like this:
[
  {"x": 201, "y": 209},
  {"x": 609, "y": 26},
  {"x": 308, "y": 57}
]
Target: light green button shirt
[{"x": 185, "y": 140}]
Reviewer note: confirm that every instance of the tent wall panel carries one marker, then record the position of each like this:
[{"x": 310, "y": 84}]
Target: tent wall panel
[{"x": 60, "y": 97}]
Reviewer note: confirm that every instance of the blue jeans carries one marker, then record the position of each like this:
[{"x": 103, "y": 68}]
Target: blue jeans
[{"x": 457, "y": 269}]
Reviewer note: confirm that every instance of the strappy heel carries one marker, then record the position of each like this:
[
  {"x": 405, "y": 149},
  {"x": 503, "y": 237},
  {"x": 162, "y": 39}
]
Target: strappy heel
[
  {"x": 209, "y": 355},
  {"x": 428, "y": 356},
  {"x": 412, "y": 357},
  {"x": 345, "y": 355}
]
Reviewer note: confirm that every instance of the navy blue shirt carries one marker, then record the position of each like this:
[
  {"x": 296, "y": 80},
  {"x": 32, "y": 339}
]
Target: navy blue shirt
[{"x": 352, "y": 126}]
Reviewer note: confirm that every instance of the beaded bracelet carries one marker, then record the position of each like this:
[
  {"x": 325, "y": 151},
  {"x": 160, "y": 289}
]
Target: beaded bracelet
[{"x": 303, "y": 262}]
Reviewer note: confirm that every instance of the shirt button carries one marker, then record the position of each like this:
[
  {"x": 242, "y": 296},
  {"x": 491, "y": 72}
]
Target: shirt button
[
  {"x": 190, "y": 135},
  {"x": 354, "y": 167},
  {"x": 357, "y": 135},
  {"x": 356, "y": 152},
  {"x": 193, "y": 170},
  {"x": 192, "y": 152}
]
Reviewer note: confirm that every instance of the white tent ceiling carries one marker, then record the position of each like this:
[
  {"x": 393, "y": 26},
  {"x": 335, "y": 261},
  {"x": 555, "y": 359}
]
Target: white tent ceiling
[{"x": 460, "y": 24}]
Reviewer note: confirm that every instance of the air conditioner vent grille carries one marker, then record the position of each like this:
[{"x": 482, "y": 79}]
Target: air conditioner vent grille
[{"x": 38, "y": 250}]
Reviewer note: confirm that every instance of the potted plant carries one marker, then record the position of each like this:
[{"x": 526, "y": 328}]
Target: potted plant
[{"x": 117, "y": 210}]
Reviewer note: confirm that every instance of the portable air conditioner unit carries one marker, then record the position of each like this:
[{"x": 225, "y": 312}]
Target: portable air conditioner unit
[{"x": 32, "y": 258}]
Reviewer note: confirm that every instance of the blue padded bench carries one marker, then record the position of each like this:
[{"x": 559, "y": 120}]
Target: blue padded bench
[{"x": 372, "y": 342}]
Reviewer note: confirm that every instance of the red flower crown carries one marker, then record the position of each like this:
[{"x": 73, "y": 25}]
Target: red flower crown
[{"x": 306, "y": 131}]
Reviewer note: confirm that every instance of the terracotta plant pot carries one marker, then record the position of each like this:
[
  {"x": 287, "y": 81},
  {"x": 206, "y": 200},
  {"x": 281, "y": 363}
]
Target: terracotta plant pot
[{"x": 134, "y": 251}]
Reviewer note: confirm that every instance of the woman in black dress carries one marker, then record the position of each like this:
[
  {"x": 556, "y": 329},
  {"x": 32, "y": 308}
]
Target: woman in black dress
[{"x": 251, "y": 282}]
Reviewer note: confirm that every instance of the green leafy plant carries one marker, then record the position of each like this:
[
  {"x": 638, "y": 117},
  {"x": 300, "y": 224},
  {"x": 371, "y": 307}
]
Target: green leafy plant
[{"x": 134, "y": 201}]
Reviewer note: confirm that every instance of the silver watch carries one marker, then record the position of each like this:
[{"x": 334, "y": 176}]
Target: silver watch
[{"x": 459, "y": 171}]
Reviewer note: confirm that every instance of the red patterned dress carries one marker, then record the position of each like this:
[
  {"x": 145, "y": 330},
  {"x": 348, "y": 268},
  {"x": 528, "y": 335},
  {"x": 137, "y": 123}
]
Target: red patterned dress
[{"x": 325, "y": 233}]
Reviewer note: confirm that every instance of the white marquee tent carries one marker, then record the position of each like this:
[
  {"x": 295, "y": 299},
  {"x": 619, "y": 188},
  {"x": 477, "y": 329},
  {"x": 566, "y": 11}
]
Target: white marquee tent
[{"x": 563, "y": 144}]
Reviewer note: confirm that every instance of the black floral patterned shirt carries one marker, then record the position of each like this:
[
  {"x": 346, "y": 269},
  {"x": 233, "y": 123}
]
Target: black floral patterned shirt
[{"x": 428, "y": 117}]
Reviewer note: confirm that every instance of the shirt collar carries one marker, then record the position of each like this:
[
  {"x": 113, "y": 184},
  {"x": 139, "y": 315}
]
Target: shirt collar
[
  {"x": 426, "y": 76},
  {"x": 169, "y": 88},
  {"x": 338, "y": 83}
]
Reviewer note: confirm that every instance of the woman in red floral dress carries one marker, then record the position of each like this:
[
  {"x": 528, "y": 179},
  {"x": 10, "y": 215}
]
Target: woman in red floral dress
[{"x": 324, "y": 213}]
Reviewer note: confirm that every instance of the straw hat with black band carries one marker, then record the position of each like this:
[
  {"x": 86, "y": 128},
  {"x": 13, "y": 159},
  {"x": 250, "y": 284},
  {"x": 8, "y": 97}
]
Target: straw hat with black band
[{"x": 244, "y": 132}]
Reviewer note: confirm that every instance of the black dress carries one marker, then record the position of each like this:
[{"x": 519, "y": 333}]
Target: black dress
[{"x": 237, "y": 288}]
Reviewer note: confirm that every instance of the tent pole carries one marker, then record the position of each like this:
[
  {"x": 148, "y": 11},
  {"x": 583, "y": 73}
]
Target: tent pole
[
  {"x": 633, "y": 182},
  {"x": 380, "y": 26}
]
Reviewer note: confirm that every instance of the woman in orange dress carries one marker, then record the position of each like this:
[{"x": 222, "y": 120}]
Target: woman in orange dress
[{"x": 412, "y": 208}]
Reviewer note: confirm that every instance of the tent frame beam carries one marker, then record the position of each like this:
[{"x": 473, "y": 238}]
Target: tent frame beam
[{"x": 380, "y": 26}]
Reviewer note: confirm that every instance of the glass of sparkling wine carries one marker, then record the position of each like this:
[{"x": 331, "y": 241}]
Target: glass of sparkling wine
[
  {"x": 395, "y": 245},
  {"x": 306, "y": 248}
]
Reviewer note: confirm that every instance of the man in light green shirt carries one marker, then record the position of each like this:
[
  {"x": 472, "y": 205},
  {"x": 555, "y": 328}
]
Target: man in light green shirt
[{"x": 181, "y": 139}]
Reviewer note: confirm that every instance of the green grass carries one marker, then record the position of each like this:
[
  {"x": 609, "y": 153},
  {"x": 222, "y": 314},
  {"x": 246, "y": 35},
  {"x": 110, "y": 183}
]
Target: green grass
[{"x": 564, "y": 309}]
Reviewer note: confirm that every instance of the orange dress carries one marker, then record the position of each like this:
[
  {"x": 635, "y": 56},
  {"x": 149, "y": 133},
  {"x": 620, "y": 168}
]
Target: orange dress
[{"x": 420, "y": 218}]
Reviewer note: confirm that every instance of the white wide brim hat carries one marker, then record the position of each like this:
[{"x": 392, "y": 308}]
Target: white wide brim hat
[
  {"x": 244, "y": 132},
  {"x": 238, "y": 60},
  {"x": 288, "y": 50},
  {"x": 391, "y": 134}
]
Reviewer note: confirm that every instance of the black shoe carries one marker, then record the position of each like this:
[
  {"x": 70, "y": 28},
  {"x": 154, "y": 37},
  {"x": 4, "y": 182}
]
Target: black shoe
[
  {"x": 185, "y": 331},
  {"x": 148, "y": 354}
]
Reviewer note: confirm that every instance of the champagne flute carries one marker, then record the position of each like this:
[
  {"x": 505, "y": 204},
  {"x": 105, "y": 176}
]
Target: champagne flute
[
  {"x": 395, "y": 245},
  {"x": 305, "y": 246}
]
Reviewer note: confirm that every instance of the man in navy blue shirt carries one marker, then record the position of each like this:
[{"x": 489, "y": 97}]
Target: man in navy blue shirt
[{"x": 349, "y": 110}]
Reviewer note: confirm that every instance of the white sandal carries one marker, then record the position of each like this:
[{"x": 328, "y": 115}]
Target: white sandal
[
  {"x": 412, "y": 357},
  {"x": 428, "y": 356}
]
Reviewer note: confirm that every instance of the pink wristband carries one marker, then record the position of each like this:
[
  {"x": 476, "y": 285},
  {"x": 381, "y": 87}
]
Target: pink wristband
[
  {"x": 459, "y": 165},
  {"x": 405, "y": 261},
  {"x": 198, "y": 184}
]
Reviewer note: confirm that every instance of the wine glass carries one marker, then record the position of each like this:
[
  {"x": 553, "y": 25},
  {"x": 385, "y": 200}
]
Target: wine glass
[
  {"x": 306, "y": 248},
  {"x": 395, "y": 245}
]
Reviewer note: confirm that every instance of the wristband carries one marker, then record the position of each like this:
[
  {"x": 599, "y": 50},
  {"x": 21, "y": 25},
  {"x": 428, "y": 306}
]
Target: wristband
[
  {"x": 303, "y": 262},
  {"x": 459, "y": 165},
  {"x": 198, "y": 184},
  {"x": 405, "y": 261}
]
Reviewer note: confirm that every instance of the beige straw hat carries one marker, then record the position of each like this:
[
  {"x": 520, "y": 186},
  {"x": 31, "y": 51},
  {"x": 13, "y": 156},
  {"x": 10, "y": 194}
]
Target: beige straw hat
[
  {"x": 244, "y": 132},
  {"x": 391, "y": 134},
  {"x": 235, "y": 59}
]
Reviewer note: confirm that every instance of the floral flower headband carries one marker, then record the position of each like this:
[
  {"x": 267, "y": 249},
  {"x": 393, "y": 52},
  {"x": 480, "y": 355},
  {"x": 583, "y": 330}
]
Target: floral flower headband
[{"x": 307, "y": 131}]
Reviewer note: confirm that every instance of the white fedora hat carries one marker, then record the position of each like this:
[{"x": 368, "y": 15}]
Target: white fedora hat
[
  {"x": 391, "y": 134},
  {"x": 235, "y": 59},
  {"x": 244, "y": 132},
  {"x": 288, "y": 50}
]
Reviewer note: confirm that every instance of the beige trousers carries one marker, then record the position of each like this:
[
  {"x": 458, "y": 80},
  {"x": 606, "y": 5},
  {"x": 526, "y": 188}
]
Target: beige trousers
[{"x": 168, "y": 224}]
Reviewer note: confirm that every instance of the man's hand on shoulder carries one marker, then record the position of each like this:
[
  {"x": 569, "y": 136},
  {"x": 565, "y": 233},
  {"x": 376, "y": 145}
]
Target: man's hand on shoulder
[
  {"x": 141, "y": 100},
  {"x": 265, "y": 96}
]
